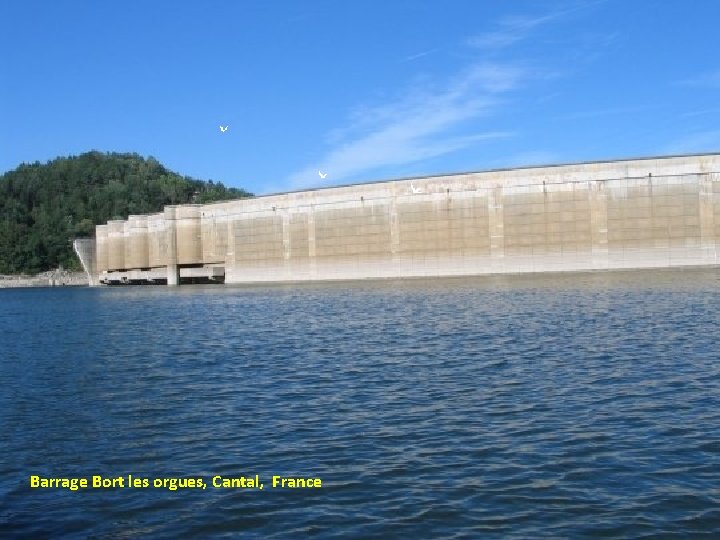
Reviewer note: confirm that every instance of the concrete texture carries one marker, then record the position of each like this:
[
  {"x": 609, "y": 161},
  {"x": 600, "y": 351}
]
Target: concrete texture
[
  {"x": 85, "y": 248},
  {"x": 643, "y": 213}
]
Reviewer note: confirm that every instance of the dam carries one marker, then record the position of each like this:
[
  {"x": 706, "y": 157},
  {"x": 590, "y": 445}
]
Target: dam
[{"x": 657, "y": 212}]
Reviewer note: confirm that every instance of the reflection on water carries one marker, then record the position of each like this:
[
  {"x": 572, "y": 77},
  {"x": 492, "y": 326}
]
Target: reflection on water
[{"x": 524, "y": 406}]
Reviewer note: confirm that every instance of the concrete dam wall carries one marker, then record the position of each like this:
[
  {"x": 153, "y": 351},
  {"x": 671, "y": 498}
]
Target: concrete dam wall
[
  {"x": 85, "y": 250},
  {"x": 643, "y": 213}
]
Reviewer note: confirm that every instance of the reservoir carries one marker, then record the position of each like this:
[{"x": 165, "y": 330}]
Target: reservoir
[{"x": 517, "y": 406}]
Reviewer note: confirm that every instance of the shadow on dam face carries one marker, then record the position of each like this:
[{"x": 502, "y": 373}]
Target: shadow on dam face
[
  {"x": 147, "y": 276},
  {"x": 645, "y": 213}
]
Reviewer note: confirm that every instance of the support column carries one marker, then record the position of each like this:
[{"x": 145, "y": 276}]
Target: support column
[
  {"x": 598, "y": 224},
  {"x": 394, "y": 226},
  {"x": 286, "y": 233},
  {"x": 173, "y": 273},
  {"x": 287, "y": 264},
  {"x": 708, "y": 242},
  {"x": 230, "y": 260},
  {"x": 496, "y": 227},
  {"x": 311, "y": 241},
  {"x": 101, "y": 251}
]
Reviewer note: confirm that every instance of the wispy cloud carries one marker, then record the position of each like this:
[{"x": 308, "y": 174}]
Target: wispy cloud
[
  {"x": 701, "y": 112},
  {"x": 429, "y": 121},
  {"x": 418, "y": 55},
  {"x": 709, "y": 79},
  {"x": 419, "y": 126},
  {"x": 510, "y": 30}
]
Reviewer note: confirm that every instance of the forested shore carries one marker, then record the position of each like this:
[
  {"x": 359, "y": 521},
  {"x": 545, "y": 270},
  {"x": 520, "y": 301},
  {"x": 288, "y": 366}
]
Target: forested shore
[{"x": 43, "y": 207}]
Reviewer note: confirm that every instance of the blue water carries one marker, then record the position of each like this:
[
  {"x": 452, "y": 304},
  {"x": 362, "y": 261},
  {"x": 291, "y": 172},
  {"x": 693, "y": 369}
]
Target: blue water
[{"x": 579, "y": 405}]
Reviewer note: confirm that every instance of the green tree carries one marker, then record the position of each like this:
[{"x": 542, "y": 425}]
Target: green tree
[{"x": 44, "y": 206}]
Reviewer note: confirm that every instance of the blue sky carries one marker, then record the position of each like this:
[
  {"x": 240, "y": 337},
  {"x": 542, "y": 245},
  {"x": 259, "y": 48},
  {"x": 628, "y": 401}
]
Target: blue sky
[{"x": 360, "y": 90}]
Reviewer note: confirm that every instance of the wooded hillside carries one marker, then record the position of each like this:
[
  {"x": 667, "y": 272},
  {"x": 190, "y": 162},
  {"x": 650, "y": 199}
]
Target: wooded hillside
[{"x": 44, "y": 206}]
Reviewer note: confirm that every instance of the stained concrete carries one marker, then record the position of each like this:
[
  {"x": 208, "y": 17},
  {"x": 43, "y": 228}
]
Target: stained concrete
[
  {"x": 85, "y": 248},
  {"x": 643, "y": 213}
]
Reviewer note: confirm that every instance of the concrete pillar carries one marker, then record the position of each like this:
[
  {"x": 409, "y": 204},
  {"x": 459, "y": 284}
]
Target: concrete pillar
[
  {"x": 101, "y": 248},
  {"x": 311, "y": 241},
  {"x": 213, "y": 227},
  {"x": 126, "y": 245},
  {"x": 496, "y": 227},
  {"x": 708, "y": 242},
  {"x": 286, "y": 234},
  {"x": 173, "y": 273},
  {"x": 188, "y": 234},
  {"x": 394, "y": 225},
  {"x": 286, "y": 243},
  {"x": 157, "y": 240},
  {"x": 598, "y": 224},
  {"x": 136, "y": 242},
  {"x": 116, "y": 244},
  {"x": 230, "y": 259}
]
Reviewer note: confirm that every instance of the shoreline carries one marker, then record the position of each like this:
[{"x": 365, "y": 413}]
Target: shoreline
[{"x": 50, "y": 278}]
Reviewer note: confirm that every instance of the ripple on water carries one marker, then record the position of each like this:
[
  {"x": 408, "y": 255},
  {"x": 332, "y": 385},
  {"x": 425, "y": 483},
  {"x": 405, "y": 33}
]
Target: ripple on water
[{"x": 531, "y": 406}]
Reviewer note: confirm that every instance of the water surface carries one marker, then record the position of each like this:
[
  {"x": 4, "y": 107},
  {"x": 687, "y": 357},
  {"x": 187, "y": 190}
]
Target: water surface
[{"x": 578, "y": 405}]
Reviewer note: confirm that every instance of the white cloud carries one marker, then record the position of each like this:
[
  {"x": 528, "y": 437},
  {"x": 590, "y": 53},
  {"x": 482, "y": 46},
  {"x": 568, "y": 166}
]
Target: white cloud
[
  {"x": 430, "y": 121},
  {"x": 511, "y": 30},
  {"x": 515, "y": 28},
  {"x": 416, "y": 127},
  {"x": 494, "y": 40}
]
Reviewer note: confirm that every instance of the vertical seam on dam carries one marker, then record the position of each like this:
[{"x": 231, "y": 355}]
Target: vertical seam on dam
[{"x": 646, "y": 213}]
